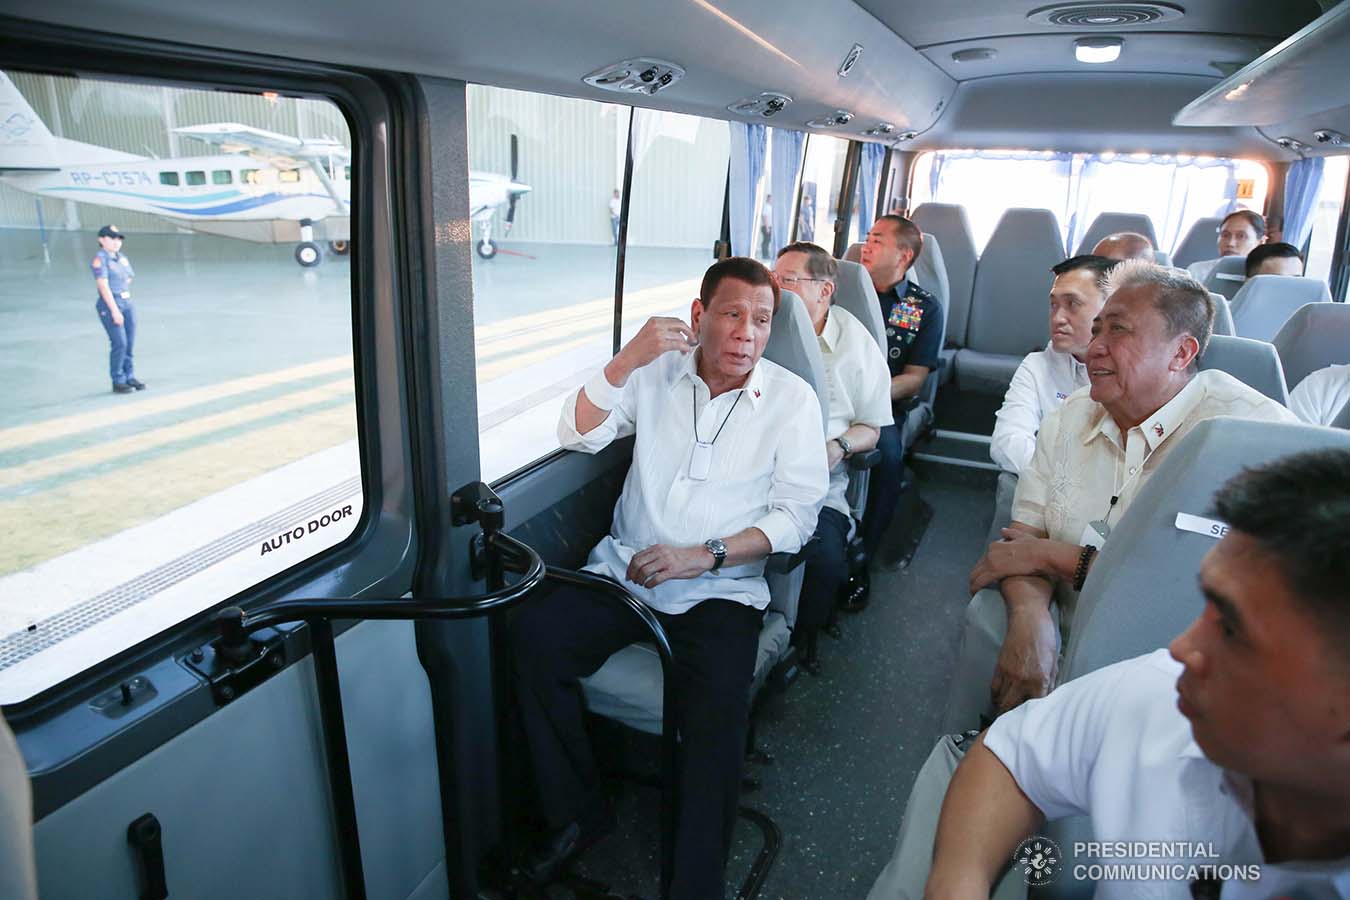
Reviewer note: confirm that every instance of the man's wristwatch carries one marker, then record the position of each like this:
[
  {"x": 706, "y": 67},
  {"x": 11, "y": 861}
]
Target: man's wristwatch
[
  {"x": 845, "y": 446},
  {"x": 718, "y": 548}
]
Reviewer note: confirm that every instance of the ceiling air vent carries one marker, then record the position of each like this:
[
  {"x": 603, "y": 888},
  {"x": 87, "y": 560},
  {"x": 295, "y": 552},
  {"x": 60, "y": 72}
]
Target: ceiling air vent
[
  {"x": 1105, "y": 15},
  {"x": 636, "y": 76},
  {"x": 765, "y": 104},
  {"x": 836, "y": 119},
  {"x": 881, "y": 129}
]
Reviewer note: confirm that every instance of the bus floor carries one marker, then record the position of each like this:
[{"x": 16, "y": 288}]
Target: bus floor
[{"x": 847, "y": 744}]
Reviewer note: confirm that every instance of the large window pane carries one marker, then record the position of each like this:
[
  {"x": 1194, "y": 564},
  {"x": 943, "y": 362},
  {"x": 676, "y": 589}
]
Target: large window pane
[
  {"x": 822, "y": 177},
  {"x": 543, "y": 283},
  {"x": 129, "y": 512},
  {"x": 679, "y": 189}
]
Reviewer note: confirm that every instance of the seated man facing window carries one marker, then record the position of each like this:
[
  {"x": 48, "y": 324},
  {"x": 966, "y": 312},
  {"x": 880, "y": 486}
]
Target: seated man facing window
[
  {"x": 1239, "y": 235},
  {"x": 1047, "y": 377},
  {"x": 1239, "y": 743},
  {"x": 1092, "y": 457},
  {"x": 1274, "y": 259},
  {"x": 1319, "y": 398},
  {"x": 728, "y": 467},
  {"x": 860, "y": 406},
  {"x": 1124, "y": 245},
  {"x": 914, "y": 328}
]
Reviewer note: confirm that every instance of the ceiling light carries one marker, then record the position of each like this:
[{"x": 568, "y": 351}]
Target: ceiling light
[
  {"x": 836, "y": 119},
  {"x": 881, "y": 129},
  {"x": 1097, "y": 49},
  {"x": 766, "y": 104},
  {"x": 636, "y": 76},
  {"x": 974, "y": 54}
]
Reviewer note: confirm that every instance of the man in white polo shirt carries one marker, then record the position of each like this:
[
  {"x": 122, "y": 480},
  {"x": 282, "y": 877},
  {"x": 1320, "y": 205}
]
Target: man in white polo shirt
[
  {"x": 1319, "y": 398},
  {"x": 728, "y": 467},
  {"x": 860, "y": 406},
  {"x": 1238, "y": 745},
  {"x": 1047, "y": 377}
]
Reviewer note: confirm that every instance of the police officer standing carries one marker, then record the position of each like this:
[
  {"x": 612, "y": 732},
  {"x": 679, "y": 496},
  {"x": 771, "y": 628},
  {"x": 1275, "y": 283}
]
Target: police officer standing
[{"x": 113, "y": 274}]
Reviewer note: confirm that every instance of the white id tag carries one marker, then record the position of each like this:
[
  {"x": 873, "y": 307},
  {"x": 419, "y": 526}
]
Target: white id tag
[
  {"x": 700, "y": 461},
  {"x": 1094, "y": 534},
  {"x": 1200, "y": 525}
]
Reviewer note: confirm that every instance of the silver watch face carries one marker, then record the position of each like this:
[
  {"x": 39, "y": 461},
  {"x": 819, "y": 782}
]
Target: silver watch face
[{"x": 716, "y": 547}]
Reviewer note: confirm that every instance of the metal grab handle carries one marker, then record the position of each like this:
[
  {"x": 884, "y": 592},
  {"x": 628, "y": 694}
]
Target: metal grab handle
[{"x": 502, "y": 550}]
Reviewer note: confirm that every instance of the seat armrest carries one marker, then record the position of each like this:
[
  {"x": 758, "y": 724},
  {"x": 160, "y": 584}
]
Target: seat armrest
[
  {"x": 864, "y": 459},
  {"x": 786, "y": 562}
]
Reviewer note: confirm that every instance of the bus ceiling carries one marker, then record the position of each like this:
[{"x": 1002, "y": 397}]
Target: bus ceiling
[{"x": 953, "y": 73}]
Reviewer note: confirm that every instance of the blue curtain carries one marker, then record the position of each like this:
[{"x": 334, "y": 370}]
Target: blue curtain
[
  {"x": 786, "y": 147},
  {"x": 869, "y": 178},
  {"x": 748, "y": 143},
  {"x": 1301, "y": 187}
]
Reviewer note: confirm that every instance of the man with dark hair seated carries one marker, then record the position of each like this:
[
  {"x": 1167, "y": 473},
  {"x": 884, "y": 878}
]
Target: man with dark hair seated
[
  {"x": 1274, "y": 259},
  {"x": 860, "y": 406},
  {"x": 728, "y": 467},
  {"x": 1236, "y": 745}
]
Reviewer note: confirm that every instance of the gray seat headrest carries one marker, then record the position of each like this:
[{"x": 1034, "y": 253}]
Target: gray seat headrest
[
  {"x": 1317, "y": 335},
  {"x": 1254, "y": 363},
  {"x": 1112, "y": 223},
  {"x": 793, "y": 345},
  {"x": 1227, "y": 277},
  {"x": 1265, "y": 302},
  {"x": 853, "y": 291}
]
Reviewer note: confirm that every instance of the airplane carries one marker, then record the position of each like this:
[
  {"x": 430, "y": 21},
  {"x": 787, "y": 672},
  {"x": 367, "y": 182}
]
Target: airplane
[{"x": 262, "y": 186}]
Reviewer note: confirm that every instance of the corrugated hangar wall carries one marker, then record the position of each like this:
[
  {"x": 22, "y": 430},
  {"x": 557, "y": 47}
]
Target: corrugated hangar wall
[
  {"x": 571, "y": 154},
  {"x": 139, "y": 118}
]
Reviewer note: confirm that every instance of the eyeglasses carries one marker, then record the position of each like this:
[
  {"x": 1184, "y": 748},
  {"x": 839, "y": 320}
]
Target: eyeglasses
[{"x": 791, "y": 281}]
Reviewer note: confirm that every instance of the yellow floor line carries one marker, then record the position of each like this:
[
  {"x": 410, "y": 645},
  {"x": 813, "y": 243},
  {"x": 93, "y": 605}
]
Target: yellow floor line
[
  {"x": 147, "y": 404},
  {"x": 50, "y": 466}
]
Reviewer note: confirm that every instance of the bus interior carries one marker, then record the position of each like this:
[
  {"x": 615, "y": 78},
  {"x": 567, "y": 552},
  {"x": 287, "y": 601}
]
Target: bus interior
[{"x": 252, "y": 618}]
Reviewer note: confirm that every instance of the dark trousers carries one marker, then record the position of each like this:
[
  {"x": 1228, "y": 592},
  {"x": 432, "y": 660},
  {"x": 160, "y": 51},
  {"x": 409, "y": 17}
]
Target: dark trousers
[
  {"x": 569, "y": 635},
  {"x": 883, "y": 485},
  {"x": 122, "y": 340},
  {"x": 825, "y": 574}
]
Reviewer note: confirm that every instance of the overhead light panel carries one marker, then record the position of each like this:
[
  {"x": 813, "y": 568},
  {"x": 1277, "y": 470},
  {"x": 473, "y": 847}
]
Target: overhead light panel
[
  {"x": 767, "y": 104},
  {"x": 881, "y": 129},
  {"x": 851, "y": 60},
  {"x": 974, "y": 54},
  {"x": 906, "y": 136},
  {"x": 1096, "y": 50},
  {"x": 836, "y": 119},
  {"x": 641, "y": 75}
]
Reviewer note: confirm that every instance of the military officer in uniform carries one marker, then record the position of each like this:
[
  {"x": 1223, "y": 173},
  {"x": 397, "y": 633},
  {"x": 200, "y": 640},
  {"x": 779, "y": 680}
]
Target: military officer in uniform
[
  {"x": 113, "y": 274},
  {"x": 914, "y": 331}
]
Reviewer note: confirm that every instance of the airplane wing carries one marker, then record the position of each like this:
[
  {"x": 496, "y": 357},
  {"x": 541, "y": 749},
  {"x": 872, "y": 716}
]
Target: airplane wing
[{"x": 282, "y": 150}]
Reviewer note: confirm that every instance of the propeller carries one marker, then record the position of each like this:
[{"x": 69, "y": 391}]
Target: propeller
[{"x": 514, "y": 195}]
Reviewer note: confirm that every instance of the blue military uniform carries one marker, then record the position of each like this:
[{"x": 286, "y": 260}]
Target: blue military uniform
[
  {"x": 117, "y": 269},
  {"x": 914, "y": 333}
]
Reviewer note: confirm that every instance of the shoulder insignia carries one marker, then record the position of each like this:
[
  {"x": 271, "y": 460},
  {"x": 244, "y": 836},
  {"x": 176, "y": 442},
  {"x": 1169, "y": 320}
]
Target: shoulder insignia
[{"x": 98, "y": 262}]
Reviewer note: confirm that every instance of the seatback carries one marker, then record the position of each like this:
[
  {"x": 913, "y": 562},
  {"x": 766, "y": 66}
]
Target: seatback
[
  {"x": 853, "y": 291},
  {"x": 1142, "y": 591},
  {"x": 930, "y": 271},
  {"x": 1317, "y": 335},
  {"x": 1201, "y": 242},
  {"x": 1254, "y": 363},
  {"x": 1007, "y": 308},
  {"x": 854, "y": 252},
  {"x": 1342, "y": 419},
  {"x": 793, "y": 345},
  {"x": 1228, "y": 276},
  {"x": 1112, "y": 222},
  {"x": 1265, "y": 303},
  {"x": 950, "y": 225},
  {"x": 1223, "y": 315}
]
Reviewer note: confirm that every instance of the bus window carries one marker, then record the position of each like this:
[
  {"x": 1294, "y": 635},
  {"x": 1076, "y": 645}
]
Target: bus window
[
  {"x": 155, "y": 471},
  {"x": 289, "y": 176},
  {"x": 169, "y": 178},
  {"x": 1322, "y": 243},
  {"x": 822, "y": 178},
  {"x": 347, "y": 172},
  {"x": 248, "y": 176},
  {"x": 544, "y": 289},
  {"x": 675, "y": 216},
  {"x": 222, "y": 176}
]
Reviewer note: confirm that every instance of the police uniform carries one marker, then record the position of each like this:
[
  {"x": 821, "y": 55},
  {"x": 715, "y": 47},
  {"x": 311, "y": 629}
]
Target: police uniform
[
  {"x": 914, "y": 331},
  {"x": 117, "y": 269}
]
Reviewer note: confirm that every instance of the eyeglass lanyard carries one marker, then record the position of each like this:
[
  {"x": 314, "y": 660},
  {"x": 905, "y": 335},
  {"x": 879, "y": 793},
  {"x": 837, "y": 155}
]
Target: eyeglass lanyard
[
  {"x": 700, "y": 460},
  {"x": 1120, "y": 492}
]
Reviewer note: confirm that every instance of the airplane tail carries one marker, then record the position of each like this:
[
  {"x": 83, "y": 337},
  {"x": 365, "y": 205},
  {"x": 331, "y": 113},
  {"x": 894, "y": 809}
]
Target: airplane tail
[{"x": 26, "y": 144}]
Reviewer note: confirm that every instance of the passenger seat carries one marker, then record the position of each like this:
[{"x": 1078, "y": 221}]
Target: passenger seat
[
  {"x": 1228, "y": 275},
  {"x": 1223, "y": 315},
  {"x": 1113, "y": 222},
  {"x": 1316, "y": 336},
  {"x": 1008, "y": 316},
  {"x": 1254, "y": 363},
  {"x": 949, "y": 224},
  {"x": 1266, "y": 302},
  {"x": 1201, "y": 242}
]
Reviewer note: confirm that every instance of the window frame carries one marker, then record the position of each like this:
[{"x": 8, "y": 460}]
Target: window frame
[
  {"x": 58, "y": 719},
  {"x": 217, "y": 179},
  {"x": 170, "y": 179},
  {"x": 195, "y": 178}
]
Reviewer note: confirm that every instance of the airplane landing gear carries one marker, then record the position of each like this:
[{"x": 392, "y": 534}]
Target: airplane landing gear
[
  {"x": 308, "y": 254},
  {"x": 486, "y": 248}
]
